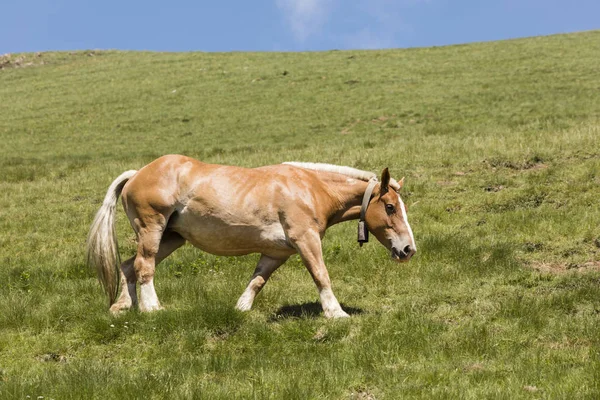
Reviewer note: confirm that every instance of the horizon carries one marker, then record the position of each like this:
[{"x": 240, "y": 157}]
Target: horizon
[
  {"x": 306, "y": 51},
  {"x": 282, "y": 25}
]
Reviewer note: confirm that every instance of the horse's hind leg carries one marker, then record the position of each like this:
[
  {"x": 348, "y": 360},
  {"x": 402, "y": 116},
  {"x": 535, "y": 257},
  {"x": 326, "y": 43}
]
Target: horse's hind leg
[
  {"x": 264, "y": 269},
  {"x": 128, "y": 295},
  {"x": 170, "y": 242},
  {"x": 145, "y": 262}
]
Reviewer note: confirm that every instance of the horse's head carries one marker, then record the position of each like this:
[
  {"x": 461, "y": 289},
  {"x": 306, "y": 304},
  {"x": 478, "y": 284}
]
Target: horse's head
[{"x": 386, "y": 219}]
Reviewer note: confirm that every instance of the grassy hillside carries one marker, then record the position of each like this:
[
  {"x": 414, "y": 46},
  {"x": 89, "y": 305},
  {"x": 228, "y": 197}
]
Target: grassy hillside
[{"x": 499, "y": 143}]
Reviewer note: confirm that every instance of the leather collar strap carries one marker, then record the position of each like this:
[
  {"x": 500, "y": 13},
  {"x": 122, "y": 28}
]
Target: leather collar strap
[{"x": 363, "y": 233}]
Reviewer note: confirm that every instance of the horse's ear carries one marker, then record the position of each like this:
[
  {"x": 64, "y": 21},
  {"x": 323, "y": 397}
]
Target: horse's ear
[
  {"x": 401, "y": 183},
  {"x": 385, "y": 182}
]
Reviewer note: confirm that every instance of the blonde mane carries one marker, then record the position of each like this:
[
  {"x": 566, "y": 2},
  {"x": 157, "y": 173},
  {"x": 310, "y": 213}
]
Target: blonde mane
[{"x": 347, "y": 171}]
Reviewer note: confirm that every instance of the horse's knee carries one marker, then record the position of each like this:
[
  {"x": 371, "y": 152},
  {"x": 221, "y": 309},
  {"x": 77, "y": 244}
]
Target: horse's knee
[{"x": 144, "y": 270}]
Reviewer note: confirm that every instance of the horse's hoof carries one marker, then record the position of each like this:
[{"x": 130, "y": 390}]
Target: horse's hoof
[
  {"x": 119, "y": 308},
  {"x": 336, "y": 314},
  {"x": 151, "y": 309}
]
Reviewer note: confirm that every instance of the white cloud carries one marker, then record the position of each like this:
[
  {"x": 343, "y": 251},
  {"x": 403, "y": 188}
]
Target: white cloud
[
  {"x": 355, "y": 24},
  {"x": 386, "y": 17},
  {"x": 305, "y": 17}
]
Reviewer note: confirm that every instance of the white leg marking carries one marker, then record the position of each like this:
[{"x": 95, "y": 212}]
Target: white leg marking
[
  {"x": 247, "y": 298},
  {"x": 405, "y": 218},
  {"x": 263, "y": 271},
  {"x": 331, "y": 307},
  {"x": 148, "y": 298}
]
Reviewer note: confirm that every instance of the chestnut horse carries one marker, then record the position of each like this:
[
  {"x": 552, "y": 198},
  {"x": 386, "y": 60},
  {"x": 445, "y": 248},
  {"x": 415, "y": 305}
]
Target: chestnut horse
[{"x": 276, "y": 210}]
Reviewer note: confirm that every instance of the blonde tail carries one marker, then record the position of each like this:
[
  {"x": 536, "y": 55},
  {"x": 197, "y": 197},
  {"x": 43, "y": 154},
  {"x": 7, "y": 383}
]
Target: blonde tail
[{"x": 102, "y": 248}]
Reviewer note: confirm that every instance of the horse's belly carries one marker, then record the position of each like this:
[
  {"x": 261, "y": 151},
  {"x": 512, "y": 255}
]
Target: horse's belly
[{"x": 215, "y": 236}]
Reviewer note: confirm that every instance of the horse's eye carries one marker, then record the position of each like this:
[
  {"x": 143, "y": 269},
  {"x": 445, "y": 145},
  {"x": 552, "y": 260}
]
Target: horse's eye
[{"x": 390, "y": 208}]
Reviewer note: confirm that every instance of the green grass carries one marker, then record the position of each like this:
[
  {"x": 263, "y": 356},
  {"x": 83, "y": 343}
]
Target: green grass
[{"x": 499, "y": 145}]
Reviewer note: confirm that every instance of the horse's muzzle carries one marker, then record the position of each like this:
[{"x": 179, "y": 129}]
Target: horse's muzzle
[{"x": 402, "y": 255}]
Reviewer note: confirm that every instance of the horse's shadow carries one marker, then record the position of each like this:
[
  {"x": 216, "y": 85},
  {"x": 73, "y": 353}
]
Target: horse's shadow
[{"x": 307, "y": 310}]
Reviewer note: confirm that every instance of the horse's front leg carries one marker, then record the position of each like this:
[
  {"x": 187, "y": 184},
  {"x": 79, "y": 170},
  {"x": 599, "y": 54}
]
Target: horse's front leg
[
  {"x": 309, "y": 248},
  {"x": 265, "y": 267}
]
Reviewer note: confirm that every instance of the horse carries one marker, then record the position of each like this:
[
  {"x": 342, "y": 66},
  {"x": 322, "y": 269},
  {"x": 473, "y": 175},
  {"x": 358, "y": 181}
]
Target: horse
[{"x": 277, "y": 211}]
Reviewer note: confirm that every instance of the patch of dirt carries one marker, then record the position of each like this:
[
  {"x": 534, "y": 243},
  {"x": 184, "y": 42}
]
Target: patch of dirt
[
  {"x": 383, "y": 118},
  {"x": 531, "y": 247},
  {"x": 538, "y": 166},
  {"x": 346, "y": 130},
  {"x": 564, "y": 268},
  {"x": 9, "y": 61},
  {"x": 495, "y": 188},
  {"x": 533, "y": 164},
  {"x": 52, "y": 357},
  {"x": 453, "y": 208}
]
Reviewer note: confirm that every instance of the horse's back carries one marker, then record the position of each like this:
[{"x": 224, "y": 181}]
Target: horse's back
[{"x": 175, "y": 183}]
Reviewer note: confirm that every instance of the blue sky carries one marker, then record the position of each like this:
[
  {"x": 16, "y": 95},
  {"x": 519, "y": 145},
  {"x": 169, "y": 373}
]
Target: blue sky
[{"x": 280, "y": 25}]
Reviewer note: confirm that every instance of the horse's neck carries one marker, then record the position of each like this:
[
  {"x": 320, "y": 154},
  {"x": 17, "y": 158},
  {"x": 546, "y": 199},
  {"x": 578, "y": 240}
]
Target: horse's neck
[{"x": 349, "y": 193}]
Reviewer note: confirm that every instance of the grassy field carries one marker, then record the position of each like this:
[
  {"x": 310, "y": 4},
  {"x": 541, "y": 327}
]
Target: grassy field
[{"x": 500, "y": 146}]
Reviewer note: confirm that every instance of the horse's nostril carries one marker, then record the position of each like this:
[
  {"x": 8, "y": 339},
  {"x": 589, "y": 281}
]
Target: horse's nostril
[{"x": 407, "y": 249}]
